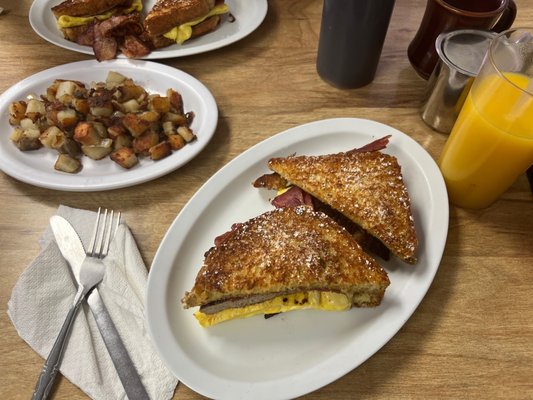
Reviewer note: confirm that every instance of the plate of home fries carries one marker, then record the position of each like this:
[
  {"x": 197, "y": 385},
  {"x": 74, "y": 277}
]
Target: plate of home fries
[{"x": 90, "y": 126}]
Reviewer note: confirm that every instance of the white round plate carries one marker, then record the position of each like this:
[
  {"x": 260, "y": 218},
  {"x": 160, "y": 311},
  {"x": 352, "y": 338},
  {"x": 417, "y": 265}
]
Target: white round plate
[
  {"x": 37, "y": 167},
  {"x": 248, "y": 16},
  {"x": 297, "y": 352}
]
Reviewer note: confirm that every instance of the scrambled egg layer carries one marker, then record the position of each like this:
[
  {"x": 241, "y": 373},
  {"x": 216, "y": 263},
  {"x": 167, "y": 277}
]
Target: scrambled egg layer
[
  {"x": 66, "y": 21},
  {"x": 183, "y": 32},
  {"x": 318, "y": 300}
]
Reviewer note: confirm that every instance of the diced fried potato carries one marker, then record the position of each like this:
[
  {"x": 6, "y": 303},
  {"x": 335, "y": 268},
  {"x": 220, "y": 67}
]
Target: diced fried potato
[
  {"x": 114, "y": 78},
  {"x": 52, "y": 138},
  {"x": 27, "y": 123},
  {"x": 17, "y": 111},
  {"x": 142, "y": 144},
  {"x": 131, "y": 92},
  {"x": 67, "y": 163},
  {"x": 86, "y": 134},
  {"x": 25, "y": 140},
  {"x": 100, "y": 129},
  {"x": 186, "y": 134},
  {"x": 116, "y": 130},
  {"x": 125, "y": 157},
  {"x": 160, "y": 150},
  {"x": 176, "y": 101},
  {"x": 16, "y": 134},
  {"x": 100, "y": 103},
  {"x": 81, "y": 106},
  {"x": 101, "y": 111},
  {"x": 176, "y": 142},
  {"x": 35, "y": 109},
  {"x": 122, "y": 141},
  {"x": 65, "y": 92},
  {"x": 67, "y": 118},
  {"x": 70, "y": 147},
  {"x": 134, "y": 124},
  {"x": 177, "y": 119},
  {"x": 150, "y": 116},
  {"x": 168, "y": 128},
  {"x": 51, "y": 113},
  {"x": 52, "y": 90},
  {"x": 35, "y": 106},
  {"x": 131, "y": 106},
  {"x": 99, "y": 151},
  {"x": 159, "y": 104}
]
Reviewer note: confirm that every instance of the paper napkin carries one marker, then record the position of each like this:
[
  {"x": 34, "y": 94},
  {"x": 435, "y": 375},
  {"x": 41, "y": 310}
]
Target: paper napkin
[{"x": 45, "y": 291}]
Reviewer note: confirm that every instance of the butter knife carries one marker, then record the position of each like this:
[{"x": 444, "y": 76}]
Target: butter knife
[{"x": 73, "y": 251}]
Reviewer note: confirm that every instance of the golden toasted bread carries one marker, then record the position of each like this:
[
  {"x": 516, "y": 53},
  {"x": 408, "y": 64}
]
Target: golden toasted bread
[
  {"x": 365, "y": 186},
  {"x": 81, "y": 8},
  {"x": 283, "y": 252},
  {"x": 166, "y": 14}
]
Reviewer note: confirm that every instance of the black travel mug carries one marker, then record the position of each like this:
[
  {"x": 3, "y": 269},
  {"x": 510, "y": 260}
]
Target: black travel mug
[{"x": 352, "y": 33}]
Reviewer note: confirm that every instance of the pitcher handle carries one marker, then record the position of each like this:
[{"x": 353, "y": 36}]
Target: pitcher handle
[{"x": 507, "y": 18}]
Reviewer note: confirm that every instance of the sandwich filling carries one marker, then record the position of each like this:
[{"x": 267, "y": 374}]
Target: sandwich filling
[
  {"x": 183, "y": 32},
  {"x": 314, "y": 299},
  {"x": 67, "y": 21}
]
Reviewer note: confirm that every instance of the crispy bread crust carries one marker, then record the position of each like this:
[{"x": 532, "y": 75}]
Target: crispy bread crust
[
  {"x": 166, "y": 14},
  {"x": 287, "y": 250},
  {"x": 366, "y": 187},
  {"x": 80, "y": 8}
]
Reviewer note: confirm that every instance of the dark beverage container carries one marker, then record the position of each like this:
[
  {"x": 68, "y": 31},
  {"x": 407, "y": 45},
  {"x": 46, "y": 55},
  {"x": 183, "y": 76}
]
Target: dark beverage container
[{"x": 351, "y": 39}]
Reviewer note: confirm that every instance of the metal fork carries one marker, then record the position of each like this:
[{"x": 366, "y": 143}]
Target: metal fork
[{"x": 91, "y": 273}]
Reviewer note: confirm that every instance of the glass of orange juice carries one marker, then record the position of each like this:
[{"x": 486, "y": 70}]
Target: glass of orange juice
[{"x": 491, "y": 143}]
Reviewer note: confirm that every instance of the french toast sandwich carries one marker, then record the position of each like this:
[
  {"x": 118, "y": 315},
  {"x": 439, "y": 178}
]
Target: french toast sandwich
[
  {"x": 365, "y": 186},
  {"x": 75, "y": 17},
  {"x": 283, "y": 260},
  {"x": 175, "y": 21}
]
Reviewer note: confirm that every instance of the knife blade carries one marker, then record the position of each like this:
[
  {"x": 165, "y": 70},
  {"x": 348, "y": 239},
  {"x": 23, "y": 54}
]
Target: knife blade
[{"x": 72, "y": 249}]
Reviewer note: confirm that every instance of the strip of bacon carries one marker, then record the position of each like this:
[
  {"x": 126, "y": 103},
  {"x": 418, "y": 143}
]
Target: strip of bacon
[
  {"x": 293, "y": 197},
  {"x": 133, "y": 47},
  {"x": 376, "y": 145}
]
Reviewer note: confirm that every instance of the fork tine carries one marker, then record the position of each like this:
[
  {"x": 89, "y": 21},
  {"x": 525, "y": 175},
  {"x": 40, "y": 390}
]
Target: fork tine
[
  {"x": 92, "y": 243},
  {"x": 103, "y": 233},
  {"x": 101, "y": 236},
  {"x": 110, "y": 232}
]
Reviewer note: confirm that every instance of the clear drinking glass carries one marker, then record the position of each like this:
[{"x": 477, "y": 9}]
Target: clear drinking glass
[{"x": 491, "y": 143}]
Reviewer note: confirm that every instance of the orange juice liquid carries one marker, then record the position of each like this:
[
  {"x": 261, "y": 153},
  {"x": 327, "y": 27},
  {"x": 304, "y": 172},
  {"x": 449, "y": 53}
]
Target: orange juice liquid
[{"x": 491, "y": 143}]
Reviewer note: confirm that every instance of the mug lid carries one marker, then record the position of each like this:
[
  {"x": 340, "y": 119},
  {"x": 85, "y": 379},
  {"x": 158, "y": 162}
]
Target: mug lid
[{"x": 464, "y": 50}]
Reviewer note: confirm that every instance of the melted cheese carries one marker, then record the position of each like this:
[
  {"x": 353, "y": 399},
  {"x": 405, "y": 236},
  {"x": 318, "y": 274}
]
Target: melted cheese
[
  {"x": 183, "y": 32},
  {"x": 283, "y": 190},
  {"x": 66, "y": 21},
  {"x": 318, "y": 300}
]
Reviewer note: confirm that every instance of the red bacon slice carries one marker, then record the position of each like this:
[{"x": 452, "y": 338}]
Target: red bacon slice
[
  {"x": 376, "y": 145},
  {"x": 105, "y": 48},
  {"x": 133, "y": 47},
  {"x": 293, "y": 197}
]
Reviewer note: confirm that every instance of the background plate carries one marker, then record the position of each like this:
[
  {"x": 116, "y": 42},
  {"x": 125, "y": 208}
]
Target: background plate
[
  {"x": 248, "y": 16},
  {"x": 293, "y": 353},
  {"x": 37, "y": 167}
]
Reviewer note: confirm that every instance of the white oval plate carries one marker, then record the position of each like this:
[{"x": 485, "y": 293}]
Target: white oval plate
[
  {"x": 293, "y": 353},
  {"x": 248, "y": 16},
  {"x": 37, "y": 167}
]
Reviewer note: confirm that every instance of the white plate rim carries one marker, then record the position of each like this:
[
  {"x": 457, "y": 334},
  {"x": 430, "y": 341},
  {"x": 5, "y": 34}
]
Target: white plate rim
[
  {"x": 41, "y": 18},
  {"x": 204, "y": 124},
  {"x": 318, "y": 376}
]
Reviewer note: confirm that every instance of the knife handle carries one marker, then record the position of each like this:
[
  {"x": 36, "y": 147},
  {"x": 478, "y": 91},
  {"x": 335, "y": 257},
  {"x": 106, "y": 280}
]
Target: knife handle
[
  {"x": 51, "y": 366},
  {"x": 119, "y": 355}
]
